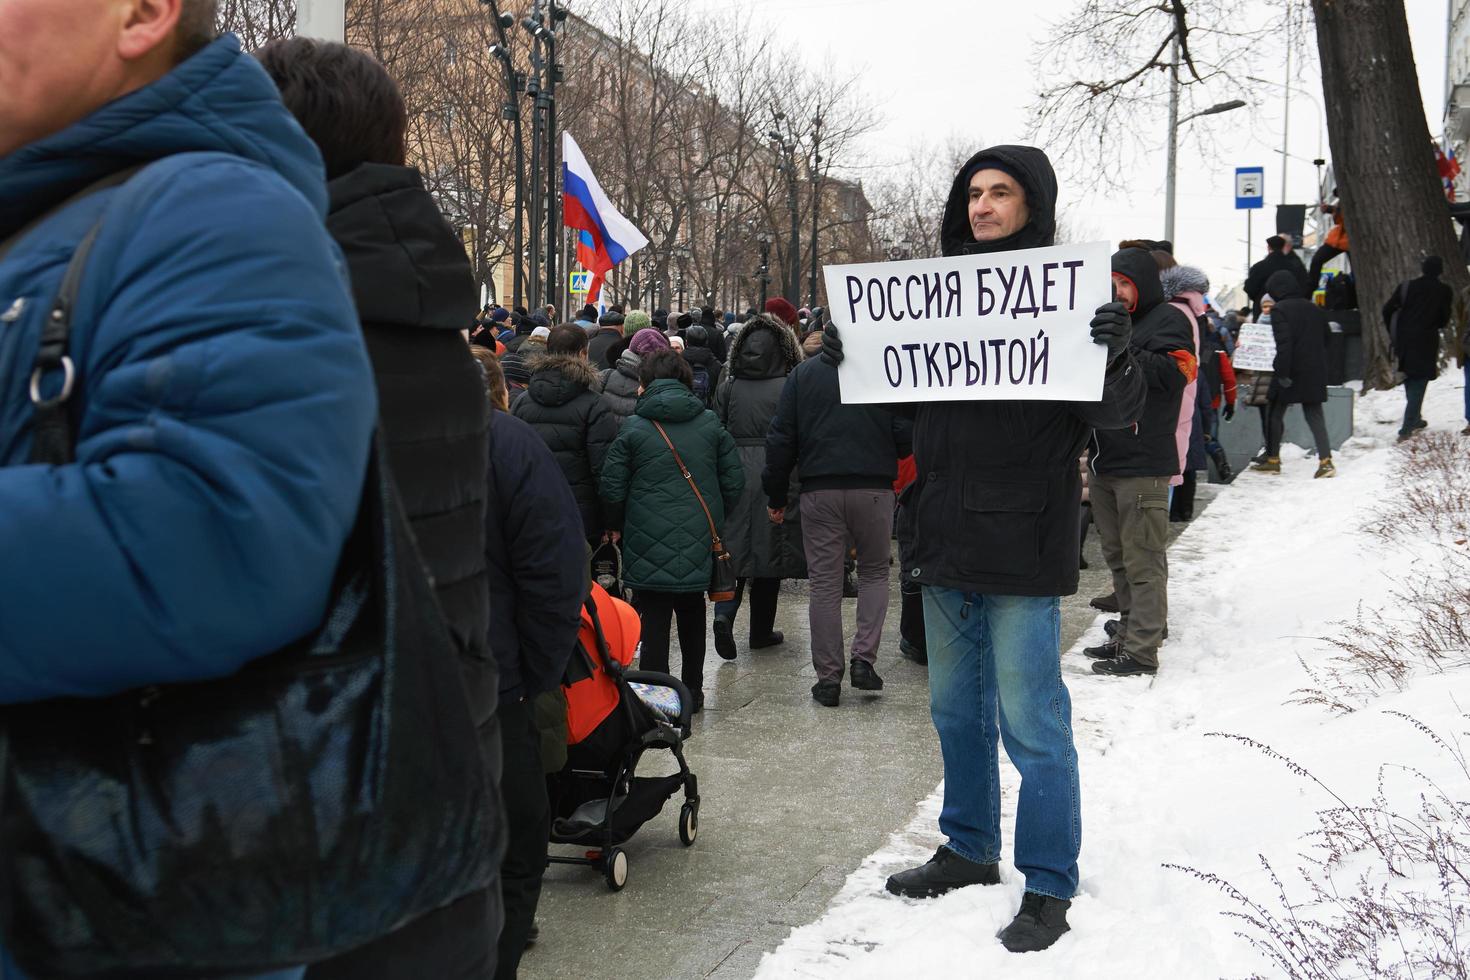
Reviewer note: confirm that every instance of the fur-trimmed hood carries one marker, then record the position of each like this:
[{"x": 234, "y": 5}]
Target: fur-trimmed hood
[
  {"x": 1183, "y": 279},
  {"x": 558, "y": 378},
  {"x": 764, "y": 348}
]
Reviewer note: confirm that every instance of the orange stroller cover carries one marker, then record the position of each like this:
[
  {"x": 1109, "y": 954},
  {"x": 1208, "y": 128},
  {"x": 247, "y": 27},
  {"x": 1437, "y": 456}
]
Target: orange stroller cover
[{"x": 591, "y": 699}]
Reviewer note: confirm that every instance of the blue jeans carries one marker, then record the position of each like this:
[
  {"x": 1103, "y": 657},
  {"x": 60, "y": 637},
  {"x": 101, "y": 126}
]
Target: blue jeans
[{"x": 995, "y": 657}]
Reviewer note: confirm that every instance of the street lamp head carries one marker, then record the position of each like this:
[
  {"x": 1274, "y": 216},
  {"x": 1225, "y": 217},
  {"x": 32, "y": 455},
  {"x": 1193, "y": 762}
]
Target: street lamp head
[
  {"x": 1224, "y": 107},
  {"x": 507, "y": 21}
]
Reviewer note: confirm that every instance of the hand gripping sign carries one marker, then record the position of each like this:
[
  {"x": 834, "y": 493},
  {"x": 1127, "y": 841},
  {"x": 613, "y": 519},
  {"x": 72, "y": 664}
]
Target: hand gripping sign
[{"x": 1004, "y": 326}]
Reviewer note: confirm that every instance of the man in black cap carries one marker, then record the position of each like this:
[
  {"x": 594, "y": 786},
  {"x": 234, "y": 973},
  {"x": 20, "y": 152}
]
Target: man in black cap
[
  {"x": 994, "y": 520},
  {"x": 1279, "y": 258},
  {"x": 1416, "y": 313}
]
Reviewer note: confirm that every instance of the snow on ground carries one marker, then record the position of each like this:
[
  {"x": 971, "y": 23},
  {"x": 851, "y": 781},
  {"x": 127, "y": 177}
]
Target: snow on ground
[{"x": 1271, "y": 565}]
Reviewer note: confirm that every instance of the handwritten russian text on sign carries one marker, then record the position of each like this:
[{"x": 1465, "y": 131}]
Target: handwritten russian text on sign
[
  {"x": 1256, "y": 348},
  {"x": 1010, "y": 325}
]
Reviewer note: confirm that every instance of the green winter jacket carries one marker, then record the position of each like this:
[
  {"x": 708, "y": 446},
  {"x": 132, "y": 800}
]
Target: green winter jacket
[{"x": 666, "y": 540}]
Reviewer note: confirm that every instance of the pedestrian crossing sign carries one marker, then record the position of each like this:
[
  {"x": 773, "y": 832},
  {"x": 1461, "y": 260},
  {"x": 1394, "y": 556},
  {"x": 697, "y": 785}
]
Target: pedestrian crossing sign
[{"x": 579, "y": 283}]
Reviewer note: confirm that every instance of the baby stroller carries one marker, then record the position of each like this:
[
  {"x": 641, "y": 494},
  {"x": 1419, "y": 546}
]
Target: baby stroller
[{"x": 614, "y": 716}]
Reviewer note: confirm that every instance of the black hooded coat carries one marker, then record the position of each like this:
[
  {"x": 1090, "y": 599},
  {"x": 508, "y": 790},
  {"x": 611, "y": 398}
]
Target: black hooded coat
[
  {"x": 1149, "y": 447},
  {"x": 1301, "y": 333},
  {"x": 994, "y": 508},
  {"x": 414, "y": 292},
  {"x": 1418, "y": 310},
  {"x": 763, "y": 354}
]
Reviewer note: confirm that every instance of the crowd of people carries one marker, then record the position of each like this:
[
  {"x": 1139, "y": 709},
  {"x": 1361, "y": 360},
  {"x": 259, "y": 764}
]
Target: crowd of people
[{"x": 241, "y": 417}]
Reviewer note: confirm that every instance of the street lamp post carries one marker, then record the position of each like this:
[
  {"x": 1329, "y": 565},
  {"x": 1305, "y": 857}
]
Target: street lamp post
[
  {"x": 1171, "y": 178},
  {"x": 816, "y": 204},
  {"x": 765, "y": 275},
  {"x": 511, "y": 110},
  {"x": 787, "y": 165}
]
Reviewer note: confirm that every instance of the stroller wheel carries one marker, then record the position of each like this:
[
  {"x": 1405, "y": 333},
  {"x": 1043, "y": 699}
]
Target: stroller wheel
[
  {"x": 688, "y": 824},
  {"x": 615, "y": 869}
]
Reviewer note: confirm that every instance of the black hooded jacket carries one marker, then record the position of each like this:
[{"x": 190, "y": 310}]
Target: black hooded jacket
[
  {"x": 414, "y": 291},
  {"x": 1417, "y": 311},
  {"x": 994, "y": 509},
  {"x": 1163, "y": 344},
  {"x": 1301, "y": 333},
  {"x": 564, "y": 407}
]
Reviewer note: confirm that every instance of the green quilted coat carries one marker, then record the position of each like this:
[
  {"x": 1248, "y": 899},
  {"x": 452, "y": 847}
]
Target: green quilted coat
[{"x": 666, "y": 542}]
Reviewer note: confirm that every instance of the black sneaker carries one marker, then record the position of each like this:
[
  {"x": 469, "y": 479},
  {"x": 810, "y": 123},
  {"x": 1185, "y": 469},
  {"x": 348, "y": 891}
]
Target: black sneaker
[
  {"x": 1123, "y": 666},
  {"x": 775, "y": 639},
  {"x": 912, "y": 651},
  {"x": 827, "y": 693},
  {"x": 1109, "y": 649},
  {"x": 1041, "y": 922},
  {"x": 533, "y": 934},
  {"x": 942, "y": 873},
  {"x": 864, "y": 677},
  {"x": 724, "y": 638},
  {"x": 1107, "y": 603}
]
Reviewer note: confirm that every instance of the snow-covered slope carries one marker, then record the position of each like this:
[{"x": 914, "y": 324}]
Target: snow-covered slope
[{"x": 1271, "y": 566}]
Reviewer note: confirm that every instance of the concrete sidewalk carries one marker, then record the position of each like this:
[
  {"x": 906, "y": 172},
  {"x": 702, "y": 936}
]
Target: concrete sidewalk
[{"x": 794, "y": 796}]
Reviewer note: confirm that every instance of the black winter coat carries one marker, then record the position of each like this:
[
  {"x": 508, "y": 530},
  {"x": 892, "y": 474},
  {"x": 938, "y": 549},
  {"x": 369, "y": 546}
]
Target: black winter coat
[
  {"x": 837, "y": 446},
  {"x": 563, "y": 406},
  {"x": 1258, "y": 282},
  {"x": 1301, "y": 333},
  {"x": 994, "y": 508},
  {"x": 1423, "y": 308},
  {"x": 763, "y": 354},
  {"x": 414, "y": 292},
  {"x": 601, "y": 345},
  {"x": 536, "y": 558},
  {"x": 1163, "y": 346}
]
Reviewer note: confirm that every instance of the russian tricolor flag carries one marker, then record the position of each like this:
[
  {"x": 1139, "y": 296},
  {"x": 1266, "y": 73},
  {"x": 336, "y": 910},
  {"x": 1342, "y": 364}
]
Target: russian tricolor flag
[{"x": 607, "y": 237}]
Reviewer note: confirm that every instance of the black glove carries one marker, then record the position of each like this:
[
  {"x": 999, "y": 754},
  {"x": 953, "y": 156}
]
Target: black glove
[
  {"x": 1284, "y": 382},
  {"x": 831, "y": 345},
  {"x": 1113, "y": 327},
  {"x": 1229, "y": 412}
]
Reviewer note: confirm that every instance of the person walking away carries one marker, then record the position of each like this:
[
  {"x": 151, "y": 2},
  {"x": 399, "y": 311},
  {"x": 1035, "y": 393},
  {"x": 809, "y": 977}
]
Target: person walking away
[
  {"x": 1300, "y": 375},
  {"x": 995, "y": 546},
  {"x": 703, "y": 366},
  {"x": 620, "y": 383},
  {"x": 1416, "y": 313},
  {"x": 1132, "y": 469},
  {"x": 848, "y": 457},
  {"x": 664, "y": 509},
  {"x": 764, "y": 353},
  {"x": 608, "y": 335},
  {"x": 537, "y": 581},
  {"x": 635, "y": 321},
  {"x": 223, "y": 409},
  {"x": 1279, "y": 258},
  {"x": 413, "y": 288},
  {"x": 564, "y": 407}
]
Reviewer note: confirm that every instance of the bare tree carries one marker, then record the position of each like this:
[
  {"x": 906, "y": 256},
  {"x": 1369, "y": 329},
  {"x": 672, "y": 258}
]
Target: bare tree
[
  {"x": 257, "y": 22},
  {"x": 1116, "y": 59}
]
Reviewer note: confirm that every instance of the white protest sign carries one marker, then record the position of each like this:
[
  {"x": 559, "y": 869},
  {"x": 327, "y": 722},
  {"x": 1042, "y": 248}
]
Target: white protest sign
[
  {"x": 1009, "y": 325},
  {"x": 1256, "y": 348}
]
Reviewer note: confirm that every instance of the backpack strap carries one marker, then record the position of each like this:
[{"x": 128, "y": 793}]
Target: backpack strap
[{"x": 53, "y": 441}]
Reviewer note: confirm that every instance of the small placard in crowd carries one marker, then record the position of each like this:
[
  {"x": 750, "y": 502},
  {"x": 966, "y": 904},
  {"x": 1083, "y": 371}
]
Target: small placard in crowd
[{"x": 1256, "y": 348}]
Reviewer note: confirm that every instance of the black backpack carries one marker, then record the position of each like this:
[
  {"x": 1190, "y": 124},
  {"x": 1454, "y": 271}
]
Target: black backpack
[{"x": 704, "y": 385}]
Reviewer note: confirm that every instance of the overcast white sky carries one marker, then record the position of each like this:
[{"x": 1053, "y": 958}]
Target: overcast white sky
[{"x": 924, "y": 60}]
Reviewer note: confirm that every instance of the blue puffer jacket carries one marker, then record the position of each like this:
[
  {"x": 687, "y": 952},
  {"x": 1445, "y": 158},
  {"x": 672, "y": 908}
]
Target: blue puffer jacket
[{"x": 224, "y": 403}]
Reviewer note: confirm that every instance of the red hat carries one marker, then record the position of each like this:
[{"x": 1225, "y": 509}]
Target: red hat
[{"x": 783, "y": 309}]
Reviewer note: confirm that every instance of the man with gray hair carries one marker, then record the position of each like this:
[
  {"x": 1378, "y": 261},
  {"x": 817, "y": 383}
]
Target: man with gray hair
[{"x": 213, "y": 389}]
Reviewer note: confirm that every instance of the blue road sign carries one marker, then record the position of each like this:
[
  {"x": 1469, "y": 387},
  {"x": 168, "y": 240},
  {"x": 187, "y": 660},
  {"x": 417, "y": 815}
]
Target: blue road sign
[{"x": 1250, "y": 188}]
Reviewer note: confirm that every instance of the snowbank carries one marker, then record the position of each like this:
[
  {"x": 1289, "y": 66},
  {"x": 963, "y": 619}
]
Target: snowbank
[{"x": 1273, "y": 564}]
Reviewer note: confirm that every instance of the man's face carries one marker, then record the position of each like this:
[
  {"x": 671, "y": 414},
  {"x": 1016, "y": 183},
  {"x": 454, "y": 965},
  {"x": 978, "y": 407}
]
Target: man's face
[
  {"x": 997, "y": 206},
  {"x": 61, "y": 60},
  {"x": 1126, "y": 290}
]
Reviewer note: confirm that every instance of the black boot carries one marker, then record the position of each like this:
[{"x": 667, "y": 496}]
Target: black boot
[
  {"x": 1109, "y": 649},
  {"x": 1122, "y": 666},
  {"x": 912, "y": 651},
  {"x": 944, "y": 872},
  {"x": 1041, "y": 922},
  {"x": 1222, "y": 464},
  {"x": 773, "y": 639},
  {"x": 827, "y": 693},
  {"x": 724, "y": 638},
  {"x": 1107, "y": 603},
  {"x": 864, "y": 677}
]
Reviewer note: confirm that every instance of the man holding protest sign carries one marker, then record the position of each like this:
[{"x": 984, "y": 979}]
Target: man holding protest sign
[{"x": 998, "y": 428}]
